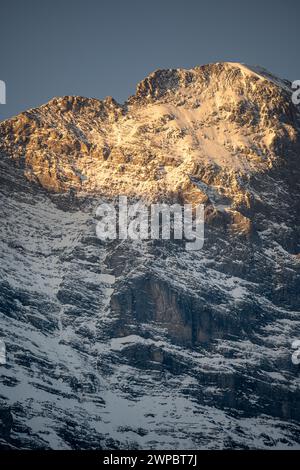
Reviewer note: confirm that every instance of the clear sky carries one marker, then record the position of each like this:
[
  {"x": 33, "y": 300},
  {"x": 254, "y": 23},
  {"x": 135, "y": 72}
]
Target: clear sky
[{"x": 97, "y": 48}]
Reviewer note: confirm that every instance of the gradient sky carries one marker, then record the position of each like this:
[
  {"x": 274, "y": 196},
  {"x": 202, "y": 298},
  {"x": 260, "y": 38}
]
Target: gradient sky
[{"x": 97, "y": 48}]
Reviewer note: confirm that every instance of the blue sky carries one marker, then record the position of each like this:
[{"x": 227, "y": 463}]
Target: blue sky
[{"x": 98, "y": 48}]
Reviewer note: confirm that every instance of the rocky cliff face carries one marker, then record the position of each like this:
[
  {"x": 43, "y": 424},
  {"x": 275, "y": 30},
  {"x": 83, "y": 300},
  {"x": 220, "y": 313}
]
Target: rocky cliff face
[{"x": 143, "y": 344}]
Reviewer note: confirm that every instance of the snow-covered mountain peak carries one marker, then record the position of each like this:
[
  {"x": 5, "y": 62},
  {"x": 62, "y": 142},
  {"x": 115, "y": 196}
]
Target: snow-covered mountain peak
[{"x": 217, "y": 124}]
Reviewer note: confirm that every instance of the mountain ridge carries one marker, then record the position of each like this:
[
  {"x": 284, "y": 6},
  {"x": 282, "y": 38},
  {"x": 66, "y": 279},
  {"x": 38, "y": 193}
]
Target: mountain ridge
[
  {"x": 179, "y": 124},
  {"x": 261, "y": 72}
]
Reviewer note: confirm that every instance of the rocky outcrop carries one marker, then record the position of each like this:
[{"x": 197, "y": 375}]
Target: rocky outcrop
[{"x": 144, "y": 344}]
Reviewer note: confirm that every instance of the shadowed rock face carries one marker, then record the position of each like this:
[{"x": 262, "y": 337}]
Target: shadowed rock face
[{"x": 144, "y": 344}]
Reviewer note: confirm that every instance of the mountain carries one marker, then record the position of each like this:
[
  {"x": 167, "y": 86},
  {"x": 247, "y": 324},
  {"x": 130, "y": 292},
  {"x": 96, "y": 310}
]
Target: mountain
[{"x": 143, "y": 344}]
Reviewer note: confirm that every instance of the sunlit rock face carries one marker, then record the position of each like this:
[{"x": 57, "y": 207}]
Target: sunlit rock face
[{"x": 144, "y": 344}]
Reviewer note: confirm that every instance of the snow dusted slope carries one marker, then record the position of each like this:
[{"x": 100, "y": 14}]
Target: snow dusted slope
[{"x": 145, "y": 345}]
